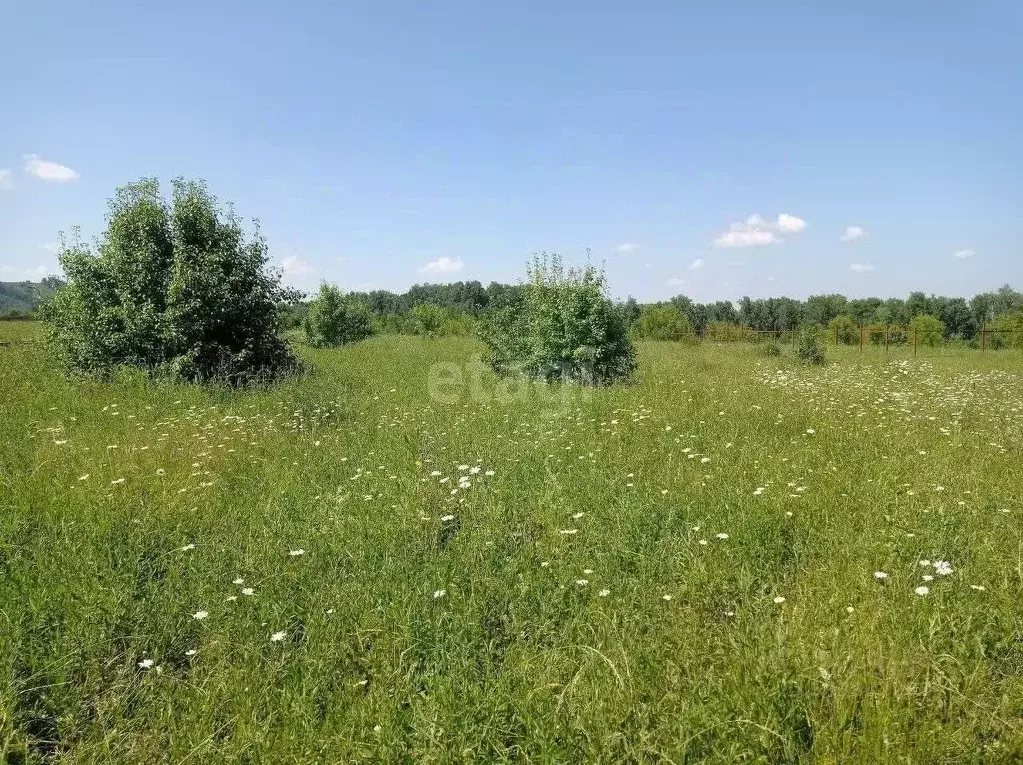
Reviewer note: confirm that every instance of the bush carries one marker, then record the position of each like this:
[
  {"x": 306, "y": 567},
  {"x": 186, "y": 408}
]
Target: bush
[
  {"x": 927, "y": 329},
  {"x": 428, "y": 319},
  {"x": 771, "y": 349},
  {"x": 843, "y": 329},
  {"x": 174, "y": 289},
  {"x": 457, "y": 324},
  {"x": 662, "y": 323},
  {"x": 564, "y": 328},
  {"x": 335, "y": 319},
  {"x": 810, "y": 344}
]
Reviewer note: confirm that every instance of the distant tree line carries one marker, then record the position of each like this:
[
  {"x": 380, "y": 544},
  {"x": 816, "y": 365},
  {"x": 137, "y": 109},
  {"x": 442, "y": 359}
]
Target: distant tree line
[
  {"x": 454, "y": 309},
  {"x": 20, "y": 300}
]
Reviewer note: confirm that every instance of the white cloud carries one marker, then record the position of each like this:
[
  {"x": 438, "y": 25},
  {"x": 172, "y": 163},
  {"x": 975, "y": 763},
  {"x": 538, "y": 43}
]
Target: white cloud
[
  {"x": 790, "y": 224},
  {"x": 861, "y": 268},
  {"x": 746, "y": 238},
  {"x": 852, "y": 233},
  {"x": 444, "y": 265},
  {"x": 292, "y": 266},
  {"x": 627, "y": 247},
  {"x": 963, "y": 254},
  {"x": 52, "y": 247},
  {"x": 48, "y": 171},
  {"x": 755, "y": 231},
  {"x": 676, "y": 282},
  {"x": 6, "y": 180},
  {"x": 696, "y": 264}
]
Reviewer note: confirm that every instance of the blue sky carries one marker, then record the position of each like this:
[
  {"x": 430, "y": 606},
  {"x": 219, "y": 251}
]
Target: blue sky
[{"x": 715, "y": 149}]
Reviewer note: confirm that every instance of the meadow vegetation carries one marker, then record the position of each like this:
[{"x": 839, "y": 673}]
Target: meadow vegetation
[
  {"x": 553, "y": 545},
  {"x": 734, "y": 558}
]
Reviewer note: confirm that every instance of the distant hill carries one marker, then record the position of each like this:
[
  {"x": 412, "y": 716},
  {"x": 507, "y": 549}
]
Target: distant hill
[{"x": 25, "y": 296}]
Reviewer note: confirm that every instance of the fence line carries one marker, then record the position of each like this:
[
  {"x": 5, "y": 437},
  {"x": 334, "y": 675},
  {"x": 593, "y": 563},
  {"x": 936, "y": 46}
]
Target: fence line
[{"x": 886, "y": 336}]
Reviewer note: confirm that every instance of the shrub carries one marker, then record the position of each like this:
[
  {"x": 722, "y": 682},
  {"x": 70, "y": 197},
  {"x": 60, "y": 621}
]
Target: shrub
[
  {"x": 174, "y": 288},
  {"x": 457, "y": 324},
  {"x": 843, "y": 329},
  {"x": 428, "y": 319},
  {"x": 564, "y": 328},
  {"x": 335, "y": 319},
  {"x": 771, "y": 349},
  {"x": 661, "y": 323},
  {"x": 928, "y": 330},
  {"x": 810, "y": 344}
]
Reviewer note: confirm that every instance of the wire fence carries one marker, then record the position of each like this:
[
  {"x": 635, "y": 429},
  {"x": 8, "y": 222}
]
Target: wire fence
[
  {"x": 888, "y": 338},
  {"x": 16, "y": 331}
]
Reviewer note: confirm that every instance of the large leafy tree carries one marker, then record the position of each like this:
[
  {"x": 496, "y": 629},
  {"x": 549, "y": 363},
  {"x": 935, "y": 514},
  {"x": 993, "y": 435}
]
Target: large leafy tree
[{"x": 172, "y": 287}]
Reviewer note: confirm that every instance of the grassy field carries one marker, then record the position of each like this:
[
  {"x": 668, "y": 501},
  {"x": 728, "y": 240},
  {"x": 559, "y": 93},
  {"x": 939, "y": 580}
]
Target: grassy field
[{"x": 736, "y": 558}]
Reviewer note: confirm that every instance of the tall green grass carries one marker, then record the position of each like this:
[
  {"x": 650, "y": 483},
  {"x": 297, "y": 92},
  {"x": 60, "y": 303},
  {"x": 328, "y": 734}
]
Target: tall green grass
[{"x": 678, "y": 570}]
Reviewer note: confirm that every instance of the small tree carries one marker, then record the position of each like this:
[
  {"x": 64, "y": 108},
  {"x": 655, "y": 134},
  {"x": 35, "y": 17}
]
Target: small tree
[
  {"x": 565, "y": 328},
  {"x": 662, "y": 323},
  {"x": 929, "y": 329},
  {"x": 174, "y": 288},
  {"x": 335, "y": 319},
  {"x": 843, "y": 328},
  {"x": 427, "y": 319},
  {"x": 810, "y": 344}
]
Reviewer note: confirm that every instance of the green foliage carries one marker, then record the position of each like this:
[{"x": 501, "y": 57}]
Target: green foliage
[
  {"x": 335, "y": 319},
  {"x": 927, "y": 330},
  {"x": 662, "y": 322},
  {"x": 427, "y": 320},
  {"x": 771, "y": 349},
  {"x": 896, "y": 334},
  {"x": 565, "y": 328},
  {"x": 844, "y": 330},
  {"x": 1006, "y": 331},
  {"x": 729, "y": 332},
  {"x": 175, "y": 288},
  {"x": 810, "y": 343}
]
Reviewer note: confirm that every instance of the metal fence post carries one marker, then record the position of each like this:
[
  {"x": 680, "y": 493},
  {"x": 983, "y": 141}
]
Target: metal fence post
[
  {"x": 861, "y": 338},
  {"x": 886, "y": 339},
  {"x": 983, "y": 338},
  {"x": 916, "y": 339}
]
